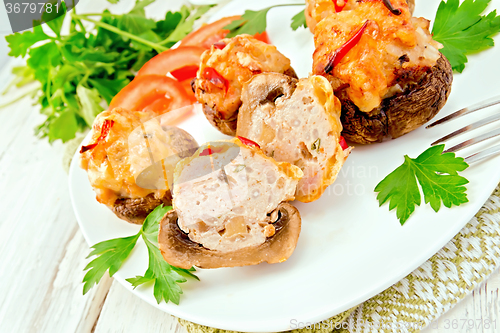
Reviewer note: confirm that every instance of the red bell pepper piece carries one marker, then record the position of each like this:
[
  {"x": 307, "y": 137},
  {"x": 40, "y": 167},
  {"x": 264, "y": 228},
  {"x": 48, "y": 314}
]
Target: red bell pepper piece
[
  {"x": 344, "y": 49},
  {"x": 342, "y": 143},
  {"x": 215, "y": 78},
  {"x": 209, "y": 151},
  {"x": 248, "y": 142},
  {"x": 106, "y": 125},
  {"x": 219, "y": 45},
  {"x": 337, "y": 7}
]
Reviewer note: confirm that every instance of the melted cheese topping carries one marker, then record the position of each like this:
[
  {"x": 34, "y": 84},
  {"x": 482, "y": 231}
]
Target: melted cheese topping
[
  {"x": 316, "y": 10},
  {"x": 135, "y": 141},
  {"x": 241, "y": 58},
  {"x": 303, "y": 129},
  {"x": 392, "y": 47},
  {"x": 223, "y": 199}
]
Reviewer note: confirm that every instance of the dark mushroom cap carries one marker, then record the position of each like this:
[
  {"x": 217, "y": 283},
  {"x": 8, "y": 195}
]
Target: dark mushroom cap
[
  {"x": 178, "y": 250},
  {"x": 135, "y": 210},
  {"x": 402, "y": 113}
]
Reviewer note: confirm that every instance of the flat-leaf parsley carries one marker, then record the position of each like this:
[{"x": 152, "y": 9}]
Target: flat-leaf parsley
[{"x": 437, "y": 174}]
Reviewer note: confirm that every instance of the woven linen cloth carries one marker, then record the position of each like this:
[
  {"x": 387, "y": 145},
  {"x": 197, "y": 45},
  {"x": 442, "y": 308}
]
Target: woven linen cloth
[{"x": 432, "y": 289}]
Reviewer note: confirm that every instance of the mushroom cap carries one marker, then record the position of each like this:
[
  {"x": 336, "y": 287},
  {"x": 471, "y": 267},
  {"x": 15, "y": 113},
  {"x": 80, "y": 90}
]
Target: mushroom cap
[
  {"x": 400, "y": 114},
  {"x": 228, "y": 126},
  {"x": 178, "y": 250},
  {"x": 135, "y": 210},
  {"x": 223, "y": 72}
]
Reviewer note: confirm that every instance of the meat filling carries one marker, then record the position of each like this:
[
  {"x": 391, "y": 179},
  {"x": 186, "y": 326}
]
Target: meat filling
[
  {"x": 224, "y": 193},
  {"x": 298, "y": 122}
]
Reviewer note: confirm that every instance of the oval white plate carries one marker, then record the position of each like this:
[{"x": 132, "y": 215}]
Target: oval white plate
[{"x": 349, "y": 248}]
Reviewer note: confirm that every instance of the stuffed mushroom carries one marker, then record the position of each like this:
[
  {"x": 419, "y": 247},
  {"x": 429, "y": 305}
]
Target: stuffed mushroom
[
  {"x": 384, "y": 67},
  {"x": 225, "y": 68},
  {"x": 296, "y": 121},
  {"x": 230, "y": 208},
  {"x": 123, "y": 144}
]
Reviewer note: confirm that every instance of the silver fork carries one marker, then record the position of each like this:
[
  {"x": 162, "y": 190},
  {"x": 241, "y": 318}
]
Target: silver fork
[{"x": 488, "y": 120}]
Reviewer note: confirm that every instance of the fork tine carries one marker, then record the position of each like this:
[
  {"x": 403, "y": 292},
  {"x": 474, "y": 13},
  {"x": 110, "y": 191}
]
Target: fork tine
[
  {"x": 482, "y": 154},
  {"x": 467, "y": 128},
  {"x": 475, "y": 107},
  {"x": 473, "y": 141}
]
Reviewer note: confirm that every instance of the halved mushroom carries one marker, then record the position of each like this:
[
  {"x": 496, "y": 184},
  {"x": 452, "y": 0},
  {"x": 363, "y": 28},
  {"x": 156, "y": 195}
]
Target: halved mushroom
[
  {"x": 229, "y": 204},
  {"x": 124, "y": 144},
  {"x": 180, "y": 251},
  {"x": 223, "y": 70},
  {"x": 296, "y": 121}
]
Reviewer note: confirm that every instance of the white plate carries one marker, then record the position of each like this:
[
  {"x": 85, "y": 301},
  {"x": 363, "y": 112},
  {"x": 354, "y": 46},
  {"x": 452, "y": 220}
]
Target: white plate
[{"x": 349, "y": 248}]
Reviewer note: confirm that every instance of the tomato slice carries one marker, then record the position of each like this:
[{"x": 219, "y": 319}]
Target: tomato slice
[
  {"x": 152, "y": 92},
  {"x": 173, "y": 60},
  {"x": 263, "y": 37},
  {"x": 209, "y": 33}
]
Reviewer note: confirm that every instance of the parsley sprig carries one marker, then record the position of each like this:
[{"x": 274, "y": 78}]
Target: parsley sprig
[
  {"x": 463, "y": 30},
  {"x": 111, "y": 254},
  {"x": 299, "y": 20},
  {"x": 80, "y": 71},
  {"x": 437, "y": 174},
  {"x": 253, "y": 22}
]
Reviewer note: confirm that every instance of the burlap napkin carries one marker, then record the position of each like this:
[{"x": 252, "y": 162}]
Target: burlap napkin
[{"x": 432, "y": 289}]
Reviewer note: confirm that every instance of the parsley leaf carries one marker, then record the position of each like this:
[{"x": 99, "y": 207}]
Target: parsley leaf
[
  {"x": 161, "y": 273},
  {"x": 63, "y": 127},
  {"x": 168, "y": 25},
  {"x": 54, "y": 19},
  {"x": 135, "y": 21},
  {"x": 89, "y": 100},
  {"x": 109, "y": 88},
  {"x": 150, "y": 226},
  {"x": 110, "y": 256},
  {"x": 252, "y": 22},
  {"x": 437, "y": 174},
  {"x": 185, "y": 25},
  {"x": 299, "y": 20},
  {"x": 164, "y": 276},
  {"x": 112, "y": 253},
  {"x": 19, "y": 43},
  {"x": 462, "y": 30}
]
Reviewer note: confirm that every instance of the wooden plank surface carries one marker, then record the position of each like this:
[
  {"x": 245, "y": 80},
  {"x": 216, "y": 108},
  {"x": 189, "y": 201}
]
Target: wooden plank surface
[{"x": 43, "y": 252}]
